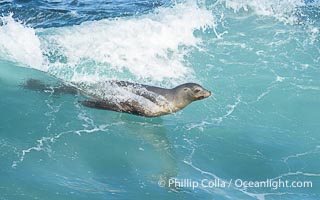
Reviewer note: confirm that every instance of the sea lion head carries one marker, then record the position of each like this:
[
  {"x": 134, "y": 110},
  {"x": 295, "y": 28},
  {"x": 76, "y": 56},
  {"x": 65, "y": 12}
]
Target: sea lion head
[{"x": 189, "y": 92}]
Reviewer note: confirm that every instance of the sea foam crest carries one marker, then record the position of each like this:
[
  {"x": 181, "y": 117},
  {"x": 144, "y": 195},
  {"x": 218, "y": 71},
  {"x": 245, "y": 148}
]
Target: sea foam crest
[
  {"x": 20, "y": 44},
  {"x": 150, "y": 46},
  {"x": 283, "y": 10}
]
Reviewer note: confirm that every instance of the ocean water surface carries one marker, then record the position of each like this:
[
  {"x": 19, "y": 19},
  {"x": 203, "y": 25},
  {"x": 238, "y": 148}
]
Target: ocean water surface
[{"x": 261, "y": 60}]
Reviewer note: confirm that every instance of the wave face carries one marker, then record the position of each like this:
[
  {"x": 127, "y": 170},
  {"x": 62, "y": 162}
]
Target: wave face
[{"x": 259, "y": 58}]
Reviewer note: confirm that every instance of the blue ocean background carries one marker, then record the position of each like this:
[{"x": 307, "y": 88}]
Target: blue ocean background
[{"x": 261, "y": 60}]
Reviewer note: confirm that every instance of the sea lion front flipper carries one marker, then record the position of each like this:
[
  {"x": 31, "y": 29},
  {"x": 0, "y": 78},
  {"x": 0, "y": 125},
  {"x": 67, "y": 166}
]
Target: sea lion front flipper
[
  {"x": 100, "y": 105},
  {"x": 127, "y": 107}
]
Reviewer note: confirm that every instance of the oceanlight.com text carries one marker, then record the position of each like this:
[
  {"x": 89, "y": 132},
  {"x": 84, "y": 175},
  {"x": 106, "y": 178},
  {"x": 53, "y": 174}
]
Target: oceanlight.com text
[{"x": 235, "y": 183}]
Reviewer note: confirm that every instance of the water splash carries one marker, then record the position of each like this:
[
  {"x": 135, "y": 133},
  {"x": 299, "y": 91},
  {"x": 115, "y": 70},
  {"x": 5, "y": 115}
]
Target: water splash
[
  {"x": 20, "y": 44},
  {"x": 147, "y": 47},
  {"x": 281, "y": 10}
]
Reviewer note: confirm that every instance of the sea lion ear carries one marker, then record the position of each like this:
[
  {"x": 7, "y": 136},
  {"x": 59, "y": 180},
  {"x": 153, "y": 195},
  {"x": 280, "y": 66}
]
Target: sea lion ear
[{"x": 185, "y": 89}]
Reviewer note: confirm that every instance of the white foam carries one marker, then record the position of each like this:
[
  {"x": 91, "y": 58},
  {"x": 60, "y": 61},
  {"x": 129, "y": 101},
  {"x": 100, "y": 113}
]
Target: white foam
[
  {"x": 280, "y": 79},
  {"x": 20, "y": 44},
  {"x": 282, "y": 10},
  {"x": 150, "y": 46}
]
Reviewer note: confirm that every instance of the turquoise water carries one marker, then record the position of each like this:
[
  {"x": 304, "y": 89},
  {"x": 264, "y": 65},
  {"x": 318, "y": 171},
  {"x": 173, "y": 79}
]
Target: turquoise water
[{"x": 259, "y": 58}]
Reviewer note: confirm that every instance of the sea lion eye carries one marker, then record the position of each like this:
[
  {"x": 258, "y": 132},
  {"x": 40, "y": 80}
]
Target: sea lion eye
[{"x": 196, "y": 90}]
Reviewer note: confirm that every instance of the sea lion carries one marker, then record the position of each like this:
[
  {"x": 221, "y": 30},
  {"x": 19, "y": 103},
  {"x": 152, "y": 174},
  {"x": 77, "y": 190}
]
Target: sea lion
[{"x": 128, "y": 97}]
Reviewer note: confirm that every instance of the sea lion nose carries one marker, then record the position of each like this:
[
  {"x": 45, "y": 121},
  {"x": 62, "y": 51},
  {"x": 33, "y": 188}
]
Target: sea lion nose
[{"x": 209, "y": 93}]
